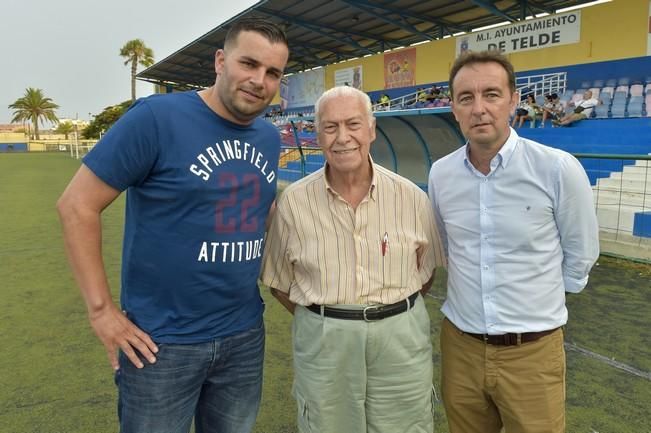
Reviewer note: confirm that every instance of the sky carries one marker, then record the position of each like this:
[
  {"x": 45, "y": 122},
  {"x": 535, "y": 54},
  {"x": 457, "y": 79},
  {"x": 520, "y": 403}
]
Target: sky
[{"x": 70, "y": 48}]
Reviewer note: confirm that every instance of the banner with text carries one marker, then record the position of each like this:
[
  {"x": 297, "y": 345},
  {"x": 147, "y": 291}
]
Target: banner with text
[
  {"x": 550, "y": 31},
  {"x": 399, "y": 69},
  {"x": 349, "y": 77}
]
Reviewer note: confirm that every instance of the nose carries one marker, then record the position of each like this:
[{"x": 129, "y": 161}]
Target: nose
[
  {"x": 478, "y": 106},
  {"x": 342, "y": 134},
  {"x": 257, "y": 77}
]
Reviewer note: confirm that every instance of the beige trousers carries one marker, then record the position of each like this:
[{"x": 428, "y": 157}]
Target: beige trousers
[{"x": 352, "y": 376}]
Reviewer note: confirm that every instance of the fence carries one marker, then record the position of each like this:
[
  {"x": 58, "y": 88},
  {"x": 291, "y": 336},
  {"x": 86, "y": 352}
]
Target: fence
[
  {"x": 622, "y": 196},
  {"x": 75, "y": 147}
]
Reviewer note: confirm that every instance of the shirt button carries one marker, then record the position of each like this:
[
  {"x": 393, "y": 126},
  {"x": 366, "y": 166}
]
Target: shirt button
[
  {"x": 485, "y": 179},
  {"x": 485, "y": 267}
]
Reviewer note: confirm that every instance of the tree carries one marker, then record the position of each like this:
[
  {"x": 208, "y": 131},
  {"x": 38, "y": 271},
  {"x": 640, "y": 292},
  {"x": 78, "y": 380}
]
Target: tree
[
  {"x": 65, "y": 128},
  {"x": 104, "y": 120},
  {"x": 34, "y": 106},
  {"x": 136, "y": 52}
]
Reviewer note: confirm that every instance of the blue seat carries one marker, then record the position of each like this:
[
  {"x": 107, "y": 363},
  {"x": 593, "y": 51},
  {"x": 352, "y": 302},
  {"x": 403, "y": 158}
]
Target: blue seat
[
  {"x": 586, "y": 85},
  {"x": 605, "y": 98},
  {"x": 618, "y": 109},
  {"x": 623, "y": 81},
  {"x": 598, "y": 83},
  {"x": 601, "y": 112},
  {"x": 612, "y": 82},
  {"x": 635, "y": 109}
]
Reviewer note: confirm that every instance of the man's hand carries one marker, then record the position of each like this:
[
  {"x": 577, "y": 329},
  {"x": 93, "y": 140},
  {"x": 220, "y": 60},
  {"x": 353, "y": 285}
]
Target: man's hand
[
  {"x": 283, "y": 298},
  {"x": 117, "y": 332}
]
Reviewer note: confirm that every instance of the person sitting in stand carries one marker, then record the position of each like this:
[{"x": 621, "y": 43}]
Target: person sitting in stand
[
  {"x": 552, "y": 109},
  {"x": 526, "y": 111},
  {"x": 385, "y": 102},
  {"x": 582, "y": 110}
]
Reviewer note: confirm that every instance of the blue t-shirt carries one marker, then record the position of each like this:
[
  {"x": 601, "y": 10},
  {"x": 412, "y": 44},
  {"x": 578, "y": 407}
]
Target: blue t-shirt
[{"x": 199, "y": 189}]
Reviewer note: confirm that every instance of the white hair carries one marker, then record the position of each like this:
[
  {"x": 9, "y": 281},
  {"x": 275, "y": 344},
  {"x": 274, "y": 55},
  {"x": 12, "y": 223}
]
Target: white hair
[{"x": 342, "y": 91}]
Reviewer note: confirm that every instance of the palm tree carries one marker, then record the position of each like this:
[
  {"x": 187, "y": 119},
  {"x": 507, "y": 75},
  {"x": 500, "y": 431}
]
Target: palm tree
[
  {"x": 136, "y": 52},
  {"x": 65, "y": 128},
  {"x": 33, "y": 106}
]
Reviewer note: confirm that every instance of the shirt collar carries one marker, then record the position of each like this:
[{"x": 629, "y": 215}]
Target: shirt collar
[
  {"x": 504, "y": 155},
  {"x": 372, "y": 194}
]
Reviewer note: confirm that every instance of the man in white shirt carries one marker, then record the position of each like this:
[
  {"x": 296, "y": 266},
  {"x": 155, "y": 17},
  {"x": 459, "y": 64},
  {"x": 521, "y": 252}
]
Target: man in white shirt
[
  {"x": 519, "y": 225},
  {"x": 581, "y": 111}
]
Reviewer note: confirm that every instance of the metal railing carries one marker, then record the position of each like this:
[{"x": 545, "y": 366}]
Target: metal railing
[{"x": 543, "y": 84}]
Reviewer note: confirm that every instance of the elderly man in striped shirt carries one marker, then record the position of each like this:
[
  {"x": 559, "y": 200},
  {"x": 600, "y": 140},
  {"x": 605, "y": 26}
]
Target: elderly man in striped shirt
[{"x": 350, "y": 249}]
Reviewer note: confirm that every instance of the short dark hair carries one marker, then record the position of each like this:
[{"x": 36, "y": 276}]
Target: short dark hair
[
  {"x": 472, "y": 57},
  {"x": 271, "y": 31}
]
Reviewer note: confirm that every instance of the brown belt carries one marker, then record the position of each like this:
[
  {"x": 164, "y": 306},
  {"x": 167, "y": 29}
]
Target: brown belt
[{"x": 510, "y": 339}]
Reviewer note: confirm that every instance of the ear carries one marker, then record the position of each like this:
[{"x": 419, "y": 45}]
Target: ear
[
  {"x": 219, "y": 61},
  {"x": 372, "y": 126}
]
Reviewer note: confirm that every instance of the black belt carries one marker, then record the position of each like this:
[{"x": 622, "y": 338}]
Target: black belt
[{"x": 369, "y": 313}]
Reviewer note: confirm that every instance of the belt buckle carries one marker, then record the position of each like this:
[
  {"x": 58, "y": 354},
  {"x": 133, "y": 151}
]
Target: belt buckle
[{"x": 366, "y": 319}]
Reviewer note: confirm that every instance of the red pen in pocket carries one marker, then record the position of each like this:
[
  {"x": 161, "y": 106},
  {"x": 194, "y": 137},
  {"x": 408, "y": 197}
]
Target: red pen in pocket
[{"x": 385, "y": 243}]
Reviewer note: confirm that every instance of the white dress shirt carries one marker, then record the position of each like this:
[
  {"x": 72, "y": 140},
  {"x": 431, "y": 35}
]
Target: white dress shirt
[{"x": 517, "y": 239}]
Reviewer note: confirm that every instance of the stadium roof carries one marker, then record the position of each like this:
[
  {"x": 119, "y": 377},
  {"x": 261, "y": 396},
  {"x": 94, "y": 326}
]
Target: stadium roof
[{"x": 322, "y": 32}]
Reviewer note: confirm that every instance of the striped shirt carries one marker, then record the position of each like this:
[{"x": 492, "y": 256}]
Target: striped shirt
[{"x": 321, "y": 250}]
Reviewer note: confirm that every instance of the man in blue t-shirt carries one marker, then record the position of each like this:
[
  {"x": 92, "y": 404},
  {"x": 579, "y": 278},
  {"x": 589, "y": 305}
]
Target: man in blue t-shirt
[{"x": 199, "y": 169}]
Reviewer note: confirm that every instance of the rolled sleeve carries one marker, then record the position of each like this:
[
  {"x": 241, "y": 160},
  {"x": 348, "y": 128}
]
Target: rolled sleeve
[{"x": 277, "y": 269}]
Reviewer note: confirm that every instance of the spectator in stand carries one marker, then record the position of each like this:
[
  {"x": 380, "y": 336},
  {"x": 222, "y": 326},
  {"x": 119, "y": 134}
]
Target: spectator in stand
[
  {"x": 421, "y": 98},
  {"x": 432, "y": 96},
  {"x": 443, "y": 99},
  {"x": 581, "y": 111},
  {"x": 385, "y": 102},
  {"x": 526, "y": 111},
  {"x": 552, "y": 109}
]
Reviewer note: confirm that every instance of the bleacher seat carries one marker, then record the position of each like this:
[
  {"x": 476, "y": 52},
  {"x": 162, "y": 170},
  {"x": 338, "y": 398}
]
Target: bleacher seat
[
  {"x": 609, "y": 90},
  {"x": 567, "y": 95},
  {"x": 623, "y": 81},
  {"x": 611, "y": 82},
  {"x": 622, "y": 88},
  {"x": 595, "y": 92},
  {"x": 618, "y": 109},
  {"x": 637, "y": 90},
  {"x": 586, "y": 85},
  {"x": 620, "y": 96},
  {"x": 601, "y": 111},
  {"x": 605, "y": 99},
  {"x": 598, "y": 83},
  {"x": 635, "y": 107}
]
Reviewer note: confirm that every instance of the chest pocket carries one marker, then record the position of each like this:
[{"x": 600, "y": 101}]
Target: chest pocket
[{"x": 398, "y": 265}]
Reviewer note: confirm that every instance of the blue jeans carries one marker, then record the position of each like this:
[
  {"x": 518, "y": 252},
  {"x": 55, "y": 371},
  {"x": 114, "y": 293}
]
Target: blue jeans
[{"x": 218, "y": 383}]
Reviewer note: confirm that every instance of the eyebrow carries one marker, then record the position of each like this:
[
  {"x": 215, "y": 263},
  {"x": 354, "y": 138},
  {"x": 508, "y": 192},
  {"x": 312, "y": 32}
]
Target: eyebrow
[{"x": 257, "y": 62}]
